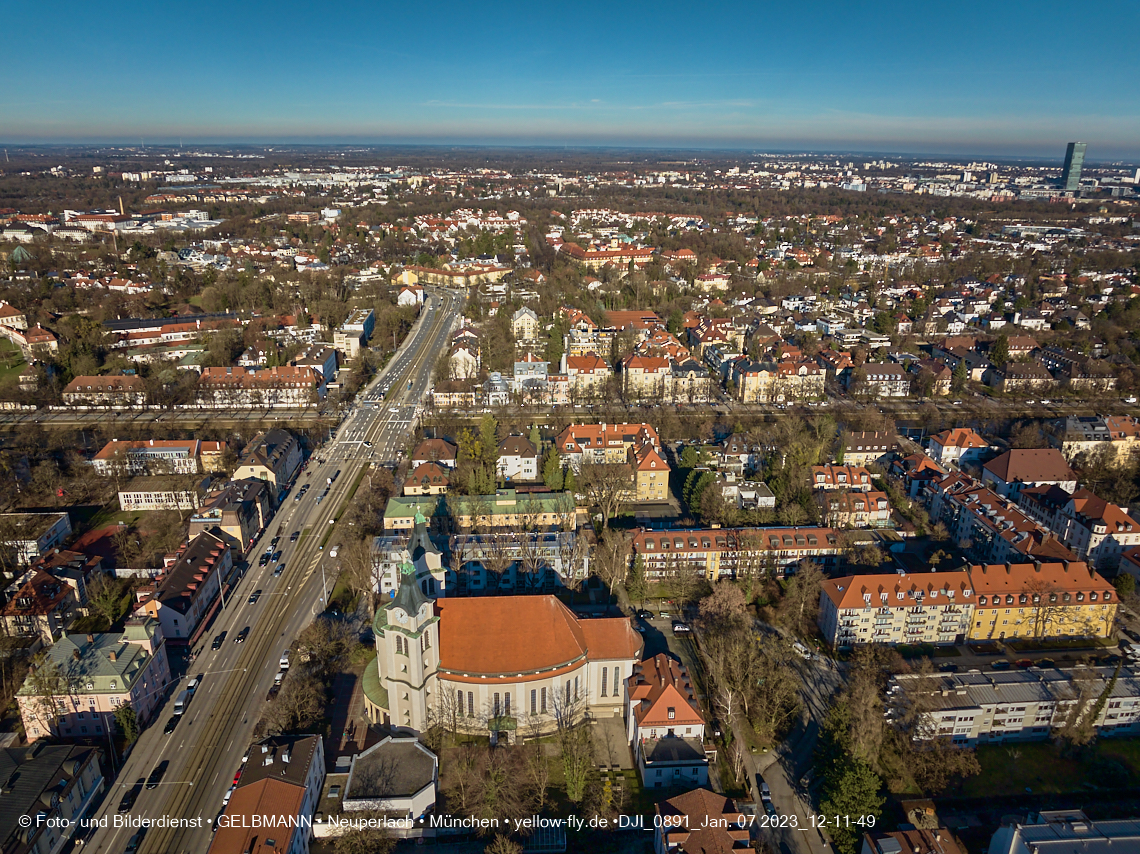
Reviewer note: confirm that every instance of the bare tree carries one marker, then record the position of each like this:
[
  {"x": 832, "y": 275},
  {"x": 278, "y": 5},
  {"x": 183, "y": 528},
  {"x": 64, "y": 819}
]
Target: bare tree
[
  {"x": 611, "y": 558},
  {"x": 800, "y": 605},
  {"x": 607, "y": 485}
]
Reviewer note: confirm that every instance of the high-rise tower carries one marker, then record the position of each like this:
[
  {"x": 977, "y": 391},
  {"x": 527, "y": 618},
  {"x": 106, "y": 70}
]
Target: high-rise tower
[{"x": 1074, "y": 160}]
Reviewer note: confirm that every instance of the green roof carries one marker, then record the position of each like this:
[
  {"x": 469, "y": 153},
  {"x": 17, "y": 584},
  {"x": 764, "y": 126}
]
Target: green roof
[
  {"x": 83, "y": 662},
  {"x": 373, "y": 689},
  {"x": 504, "y": 501}
]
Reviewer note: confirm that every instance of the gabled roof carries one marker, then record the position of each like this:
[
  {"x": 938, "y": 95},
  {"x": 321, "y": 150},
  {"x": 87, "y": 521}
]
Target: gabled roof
[
  {"x": 268, "y": 797},
  {"x": 658, "y": 686},
  {"x": 959, "y": 437},
  {"x": 1036, "y": 465}
]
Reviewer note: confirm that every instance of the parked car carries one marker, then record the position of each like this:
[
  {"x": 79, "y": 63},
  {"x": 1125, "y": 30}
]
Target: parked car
[
  {"x": 680, "y": 628},
  {"x": 1132, "y": 634},
  {"x": 1001, "y": 664},
  {"x": 131, "y": 795},
  {"x": 1024, "y": 663},
  {"x": 1046, "y": 662},
  {"x": 218, "y": 641},
  {"x": 157, "y": 774},
  {"x": 949, "y": 668}
]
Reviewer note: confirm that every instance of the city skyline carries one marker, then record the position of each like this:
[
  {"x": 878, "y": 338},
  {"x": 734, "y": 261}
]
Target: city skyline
[{"x": 896, "y": 80}]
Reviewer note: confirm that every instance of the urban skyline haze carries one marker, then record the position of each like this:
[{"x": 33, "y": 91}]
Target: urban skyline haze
[{"x": 895, "y": 77}]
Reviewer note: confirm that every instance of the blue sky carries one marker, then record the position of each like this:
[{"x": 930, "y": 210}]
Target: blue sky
[{"x": 1006, "y": 78}]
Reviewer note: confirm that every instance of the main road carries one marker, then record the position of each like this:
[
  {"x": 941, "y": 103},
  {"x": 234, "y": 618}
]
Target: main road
[{"x": 205, "y": 749}]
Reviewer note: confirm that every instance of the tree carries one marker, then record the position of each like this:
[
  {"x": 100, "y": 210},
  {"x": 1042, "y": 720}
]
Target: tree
[
  {"x": 607, "y": 486},
  {"x": 326, "y": 642},
  {"x": 359, "y": 838},
  {"x": 298, "y": 706},
  {"x": 611, "y": 558},
  {"x": 501, "y": 845},
  {"x": 636, "y": 584},
  {"x": 127, "y": 722},
  {"x": 1125, "y": 584},
  {"x": 999, "y": 352},
  {"x": 552, "y": 470},
  {"x": 959, "y": 378},
  {"x": 850, "y": 791},
  {"x": 724, "y": 609},
  {"x": 799, "y": 606},
  {"x": 50, "y": 688},
  {"x": 105, "y": 596}
]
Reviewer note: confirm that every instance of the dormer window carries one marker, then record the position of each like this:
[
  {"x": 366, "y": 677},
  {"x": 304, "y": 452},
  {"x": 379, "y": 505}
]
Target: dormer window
[{"x": 672, "y": 714}]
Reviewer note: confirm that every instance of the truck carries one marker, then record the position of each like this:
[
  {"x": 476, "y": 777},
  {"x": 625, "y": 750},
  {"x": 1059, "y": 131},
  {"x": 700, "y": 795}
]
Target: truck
[{"x": 181, "y": 702}]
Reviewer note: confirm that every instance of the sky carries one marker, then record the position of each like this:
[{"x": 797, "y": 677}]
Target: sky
[{"x": 1006, "y": 78}]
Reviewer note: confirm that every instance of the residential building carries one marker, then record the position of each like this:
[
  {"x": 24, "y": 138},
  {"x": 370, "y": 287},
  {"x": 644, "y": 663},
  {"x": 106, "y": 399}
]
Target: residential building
[
  {"x": 463, "y": 364},
  {"x": 42, "y": 607},
  {"x": 1023, "y": 705},
  {"x": 524, "y": 324},
  {"x": 187, "y": 592},
  {"x": 516, "y": 562},
  {"x": 118, "y": 392},
  {"x": 238, "y": 511},
  {"x": 320, "y": 358},
  {"x": 274, "y": 457},
  {"x": 161, "y": 492},
  {"x": 286, "y": 386},
  {"x": 1076, "y": 370},
  {"x": 518, "y": 459},
  {"x": 70, "y": 567},
  {"x": 933, "y": 608},
  {"x": 689, "y": 382},
  {"x": 1041, "y": 600},
  {"x": 30, "y": 535},
  {"x": 734, "y": 552},
  {"x": 602, "y": 443},
  {"x": 881, "y": 379},
  {"x": 410, "y": 793},
  {"x": 1014, "y": 377},
  {"x": 863, "y": 447},
  {"x": 159, "y": 456},
  {"x": 1014, "y": 470},
  {"x": 845, "y": 477},
  {"x": 354, "y": 332},
  {"x": 777, "y": 382},
  {"x": 588, "y": 375},
  {"x": 960, "y": 446},
  {"x": 102, "y": 672},
  {"x": 1096, "y": 530},
  {"x": 645, "y": 377},
  {"x": 506, "y": 509},
  {"x": 1064, "y": 831},
  {"x": 664, "y": 725},
  {"x": 1117, "y": 435},
  {"x": 938, "y": 840},
  {"x": 496, "y": 660},
  {"x": 650, "y": 473},
  {"x": 283, "y": 779},
  {"x": 916, "y": 472},
  {"x": 854, "y": 509},
  {"x": 435, "y": 451},
  {"x": 699, "y": 822},
  {"x": 56, "y": 784},
  {"x": 428, "y": 479}
]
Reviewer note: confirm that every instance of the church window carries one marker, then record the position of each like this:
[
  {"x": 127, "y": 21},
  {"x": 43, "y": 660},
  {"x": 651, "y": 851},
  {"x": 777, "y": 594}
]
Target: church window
[
  {"x": 496, "y": 705},
  {"x": 543, "y": 708},
  {"x": 605, "y": 673},
  {"x": 470, "y": 705},
  {"x": 533, "y": 701},
  {"x": 506, "y": 704},
  {"x": 459, "y": 702},
  {"x": 567, "y": 692},
  {"x": 617, "y": 681},
  {"x": 399, "y": 644},
  {"x": 575, "y": 687}
]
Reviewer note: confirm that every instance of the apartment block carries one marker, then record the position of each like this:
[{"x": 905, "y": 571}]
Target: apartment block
[{"x": 930, "y": 608}]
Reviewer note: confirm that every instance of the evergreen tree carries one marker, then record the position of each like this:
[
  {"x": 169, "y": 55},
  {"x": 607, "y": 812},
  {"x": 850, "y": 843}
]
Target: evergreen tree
[
  {"x": 552, "y": 470},
  {"x": 636, "y": 585},
  {"x": 570, "y": 481},
  {"x": 960, "y": 376},
  {"x": 999, "y": 353},
  {"x": 851, "y": 792}
]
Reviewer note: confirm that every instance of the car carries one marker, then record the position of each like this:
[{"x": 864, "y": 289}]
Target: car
[
  {"x": 1024, "y": 663},
  {"x": 949, "y": 668},
  {"x": 170, "y": 725},
  {"x": 218, "y": 641},
  {"x": 263, "y": 560},
  {"x": 242, "y": 635},
  {"x": 279, "y": 678},
  {"x": 131, "y": 795},
  {"x": 135, "y": 842},
  {"x": 237, "y": 776},
  {"x": 280, "y": 569},
  {"x": 157, "y": 774},
  {"x": 275, "y": 541},
  {"x": 680, "y": 628},
  {"x": 294, "y": 536},
  {"x": 284, "y": 662},
  {"x": 229, "y": 794},
  {"x": 276, "y": 557},
  {"x": 645, "y": 615},
  {"x": 273, "y": 691},
  {"x": 1046, "y": 662},
  {"x": 1001, "y": 664},
  {"x": 254, "y": 596},
  {"x": 1132, "y": 634},
  {"x": 664, "y": 615}
]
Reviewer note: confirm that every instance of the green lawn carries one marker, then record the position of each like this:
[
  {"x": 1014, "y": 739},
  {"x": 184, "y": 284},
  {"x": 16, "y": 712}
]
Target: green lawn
[
  {"x": 1012, "y": 768},
  {"x": 12, "y": 362}
]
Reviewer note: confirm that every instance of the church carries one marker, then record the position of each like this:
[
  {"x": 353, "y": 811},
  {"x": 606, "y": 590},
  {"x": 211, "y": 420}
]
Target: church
[{"x": 509, "y": 666}]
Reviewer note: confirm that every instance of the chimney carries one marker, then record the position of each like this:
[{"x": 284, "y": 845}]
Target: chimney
[
  {"x": 91, "y": 638},
  {"x": 75, "y": 654},
  {"x": 114, "y": 656}
]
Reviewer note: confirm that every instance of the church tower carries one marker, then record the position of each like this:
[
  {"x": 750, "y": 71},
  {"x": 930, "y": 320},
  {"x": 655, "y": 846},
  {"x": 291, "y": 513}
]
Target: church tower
[{"x": 407, "y": 651}]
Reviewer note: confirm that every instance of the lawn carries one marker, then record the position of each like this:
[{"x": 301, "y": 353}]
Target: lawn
[
  {"x": 1011, "y": 769},
  {"x": 12, "y": 362}
]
